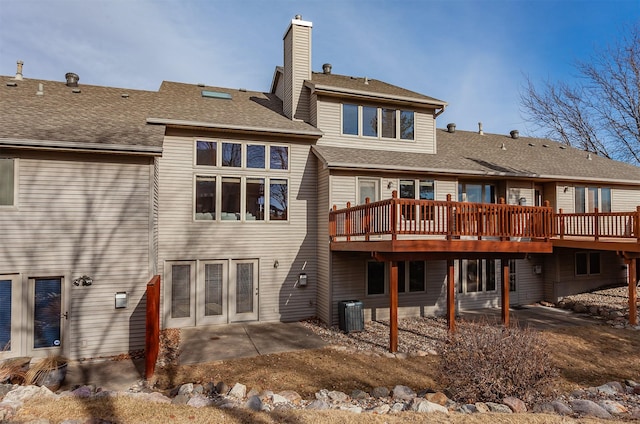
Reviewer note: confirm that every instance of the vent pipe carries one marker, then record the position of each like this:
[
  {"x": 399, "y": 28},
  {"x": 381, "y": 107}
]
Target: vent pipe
[
  {"x": 451, "y": 127},
  {"x": 480, "y": 128},
  {"x": 72, "y": 79},
  {"x": 515, "y": 134},
  {"x": 19, "y": 70},
  {"x": 326, "y": 68}
]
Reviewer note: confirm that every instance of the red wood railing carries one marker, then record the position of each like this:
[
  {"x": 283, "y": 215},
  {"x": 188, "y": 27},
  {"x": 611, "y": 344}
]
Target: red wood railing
[
  {"x": 446, "y": 218},
  {"x": 152, "y": 335},
  {"x": 596, "y": 225},
  {"x": 481, "y": 220}
]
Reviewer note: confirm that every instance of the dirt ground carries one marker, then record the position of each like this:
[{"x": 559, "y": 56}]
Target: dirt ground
[{"x": 586, "y": 357}]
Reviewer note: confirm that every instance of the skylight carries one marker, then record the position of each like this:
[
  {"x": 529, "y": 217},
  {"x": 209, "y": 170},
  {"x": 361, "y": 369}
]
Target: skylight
[{"x": 216, "y": 95}]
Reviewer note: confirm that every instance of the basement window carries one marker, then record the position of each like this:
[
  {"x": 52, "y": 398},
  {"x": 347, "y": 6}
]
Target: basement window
[{"x": 587, "y": 263}]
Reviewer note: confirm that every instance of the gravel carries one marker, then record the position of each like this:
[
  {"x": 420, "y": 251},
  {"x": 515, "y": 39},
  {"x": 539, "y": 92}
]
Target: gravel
[{"x": 426, "y": 335}]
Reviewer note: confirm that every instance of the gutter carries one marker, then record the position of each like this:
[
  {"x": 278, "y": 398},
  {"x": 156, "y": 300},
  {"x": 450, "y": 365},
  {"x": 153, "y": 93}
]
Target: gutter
[
  {"x": 73, "y": 146},
  {"x": 244, "y": 128}
]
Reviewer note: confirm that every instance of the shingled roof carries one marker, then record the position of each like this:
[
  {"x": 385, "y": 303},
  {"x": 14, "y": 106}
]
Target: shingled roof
[
  {"x": 367, "y": 87},
  {"x": 184, "y": 104},
  {"x": 491, "y": 155},
  {"x": 91, "y": 118}
]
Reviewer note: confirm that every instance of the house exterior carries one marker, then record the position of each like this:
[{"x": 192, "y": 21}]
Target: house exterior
[{"x": 226, "y": 194}]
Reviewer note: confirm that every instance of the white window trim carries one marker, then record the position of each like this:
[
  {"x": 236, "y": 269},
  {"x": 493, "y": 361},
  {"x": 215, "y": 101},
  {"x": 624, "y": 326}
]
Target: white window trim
[
  {"x": 586, "y": 196},
  {"x": 376, "y": 181},
  {"x": 407, "y": 280},
  {"x": 243, "y": 197},
  {"x": 463, "y": 283},
  {"x": 360, "y": 124},
  {"x": 16, "y": 185}
]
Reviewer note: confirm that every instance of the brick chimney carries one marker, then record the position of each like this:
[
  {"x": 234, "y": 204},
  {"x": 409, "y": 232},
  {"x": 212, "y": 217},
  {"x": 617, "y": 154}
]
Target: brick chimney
[{"x": 297, "y": 69}]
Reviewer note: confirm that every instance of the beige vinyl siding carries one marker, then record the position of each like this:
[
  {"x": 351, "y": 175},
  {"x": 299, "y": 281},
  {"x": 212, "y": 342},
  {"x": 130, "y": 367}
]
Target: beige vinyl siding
[
  {"x": 349, "y": 283},
  {"x": 444, "y": 187},
  {"x": 280, "y": 87},
  {"x": 343, "y": 190},
  {"x": 529, "y": 285},
  {"x": 292, "y": 243},
  {"x": 520, "y": 189},
  {"x": 297, "y": 69},
  {"x": 313, "y": 110},
  {"x": 323, "y": 300},
  {"x": 568, "y": 283},
  {"x": 85, "y": 215},
  {"x": 625, "y": 199},
  {"x": 565, "y": 199},
  {"x": 330, "y": 122}
]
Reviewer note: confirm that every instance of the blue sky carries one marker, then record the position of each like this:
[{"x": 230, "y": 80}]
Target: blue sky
[{"x": 474, "y": 54}]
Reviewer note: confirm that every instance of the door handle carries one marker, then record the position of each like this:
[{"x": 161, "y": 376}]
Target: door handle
[{"x": 65, "y": 315}]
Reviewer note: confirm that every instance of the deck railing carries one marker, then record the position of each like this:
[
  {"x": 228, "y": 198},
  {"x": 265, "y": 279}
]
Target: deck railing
[
  {"x": 596, "y": 225},
  {"x": 393, "y": 217},
  {"x": 444, "y": 218}
]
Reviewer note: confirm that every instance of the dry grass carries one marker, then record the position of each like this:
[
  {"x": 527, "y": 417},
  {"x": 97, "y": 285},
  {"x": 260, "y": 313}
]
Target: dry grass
[
  {"x": 126, "y": 410},
  {"x": 586, "y": 357}
]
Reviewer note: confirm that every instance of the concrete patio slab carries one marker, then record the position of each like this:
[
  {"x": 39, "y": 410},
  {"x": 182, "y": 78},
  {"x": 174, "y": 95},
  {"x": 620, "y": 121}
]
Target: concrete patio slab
[
  {"x": 214, "y": 343},
  {"x": 535, "y": 316}
]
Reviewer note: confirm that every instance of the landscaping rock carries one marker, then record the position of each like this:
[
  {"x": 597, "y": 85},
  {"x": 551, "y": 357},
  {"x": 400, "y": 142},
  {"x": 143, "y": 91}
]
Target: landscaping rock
[
  {"x": 499, "y": 408},
  {"x": 437, "y": 397},
  {"x": 186, "y": 389},
  {"x": 613, "y": 407},
  {"x": 200, "y": 401},
  {"x": 515, "y": 404},
  {"x": 359, "y": 394},
  {"x": 291, "y": 396},
  {"x": 337, "y": 396},
  {"x": 319, "y": 405},
  {"x": 26, "y": 393},
  {"x": 380, "y": 392},
  {"x": 429, "y": 407},
  {"x": 222, "y": 388},
  {"x": 403, "y": 393},
  {"x": 467, "y": 409},
  {"x": 180, "y": 400},
  {"x": 381, "y": 410},
  {"x": 543, "y": 408},
  {"x": 607, "y": 389},
  {"x": 589, "y": 408},
  {"x": 561, "y": 408},
  {"x": 276, "y": 399},
  {"x": 481, "y": 407},
  {"x": 254, "y": 403},
  {"x": 397, "y": 407},
  {"x": 238, "y": 391}
]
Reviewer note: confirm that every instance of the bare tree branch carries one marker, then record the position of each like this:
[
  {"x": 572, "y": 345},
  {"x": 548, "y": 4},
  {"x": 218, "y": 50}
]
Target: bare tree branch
[{"x": 600, "y": 111}]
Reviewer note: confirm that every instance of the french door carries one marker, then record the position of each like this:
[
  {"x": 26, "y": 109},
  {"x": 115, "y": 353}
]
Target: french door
[{"x": 210, "y": 292}]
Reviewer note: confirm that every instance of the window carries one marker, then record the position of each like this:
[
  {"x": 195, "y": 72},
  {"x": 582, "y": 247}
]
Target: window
[
  {"x": 425, "y": 192},
  {"x": 589, "y": 198},
  {"x": 47, "y": 310},
  {"x": 7, "y": 182},
  {"x": 254, "y": 199},
  {"x": 278, "y": 201},
  {"x": 406, "y": 125},
  {"x": 230, "y": 210},
  {"x": 587, "y": 263},
  {"x": 279, "y": 157},
  {"x": 206, "y": 153},
  {"x": 476, "y": 193},
  {"x": 232, "y": 155},
  {"x": 206, "y": 198},
  {"x": 375, "y": 278},
  {"x": 256, "y": 156},
  {"x": 368, "y": 188},
  {"x": 5, "y": 314},
  {"x": 415, "y": 279},
  {"x": 350, "y": 119},
  {"x": 477, "y": 275},
  {"x": 369, "y": 121}
]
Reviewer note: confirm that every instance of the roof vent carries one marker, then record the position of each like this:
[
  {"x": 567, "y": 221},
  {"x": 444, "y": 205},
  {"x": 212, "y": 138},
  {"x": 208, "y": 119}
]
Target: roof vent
[
  {"x": 326, "y": 68},
  {"x": 124, "y": 95},
  {"x": 12, "y": 84},
  {"x": 40, "y": 91},
  {"x": 451, "y": 127},
  {"x": 19, "y": 70},
  {"x": 503, "y": 147},
  {"x": 76, "y": 91},
  {"x": 480, "y": 128},
  {"x": 589, "y": 156},
  {"x": 366, "y": 81},
  {"x": 72, "y": 79},
  {"x": 515, "y": 134}
]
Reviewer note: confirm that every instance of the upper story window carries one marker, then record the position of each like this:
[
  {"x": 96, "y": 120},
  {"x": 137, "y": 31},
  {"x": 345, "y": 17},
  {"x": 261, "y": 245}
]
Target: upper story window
[
  {"x": 7, "y": 181},
  {"x": 239, "y": 155},
  {"x": 589, "y": 198},
  {"x": 385, "y": 123}
]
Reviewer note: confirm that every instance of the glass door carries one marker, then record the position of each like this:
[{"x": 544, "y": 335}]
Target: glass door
[
  {"x": 180, "y": 294},
  {"x": 211, "y": 305},
  {"x": 9, "y": 315},
  {"x": 47, "y": 315},
  {"x": 243, "y": 290}
]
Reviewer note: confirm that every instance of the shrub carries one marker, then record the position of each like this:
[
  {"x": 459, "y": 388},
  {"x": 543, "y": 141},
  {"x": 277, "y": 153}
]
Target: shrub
[{"x": 486, "y": 363}]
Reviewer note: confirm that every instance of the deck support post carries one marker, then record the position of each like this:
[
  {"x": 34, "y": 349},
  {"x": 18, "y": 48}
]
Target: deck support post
[
  {"x": 451, "y": 293},
  {"x": 633, "y": 308},
  {"x": 505, "y": 291},
  {"x": 393, "y": 307}
]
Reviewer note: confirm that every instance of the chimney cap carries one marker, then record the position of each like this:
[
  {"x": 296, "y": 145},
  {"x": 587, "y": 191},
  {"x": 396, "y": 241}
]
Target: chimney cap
[
  {"x": 480, "y": 128},
  {"x": 298, "y": 17},
  {"x": 326, "y": 68},
  {"x": 72, "y": 79},
  {"x": 18, "y": 76}
]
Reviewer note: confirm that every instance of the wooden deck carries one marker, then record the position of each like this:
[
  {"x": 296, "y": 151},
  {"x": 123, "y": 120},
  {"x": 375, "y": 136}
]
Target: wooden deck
[
  {"x": 395, "y": 230},
  {"x": 407, "y": 225}
]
